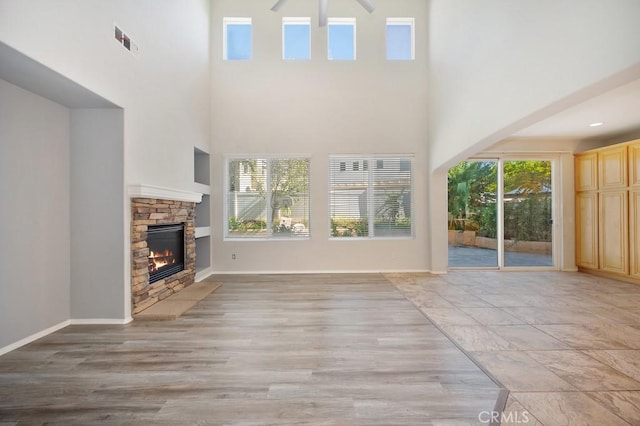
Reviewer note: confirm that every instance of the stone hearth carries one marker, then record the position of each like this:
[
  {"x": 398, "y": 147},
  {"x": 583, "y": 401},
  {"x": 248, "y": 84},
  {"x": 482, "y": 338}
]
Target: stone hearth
[{"x": 152, "y": 211}]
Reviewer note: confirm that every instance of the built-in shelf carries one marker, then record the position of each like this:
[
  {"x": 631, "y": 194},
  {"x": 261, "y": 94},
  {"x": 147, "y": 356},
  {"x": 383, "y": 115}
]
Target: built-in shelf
[
  {"x": 202, "y": 180},
  {"x": 201, "y": 189},
  {"x": 203, "y": 231},
  {"x": 203, "y": 253}
]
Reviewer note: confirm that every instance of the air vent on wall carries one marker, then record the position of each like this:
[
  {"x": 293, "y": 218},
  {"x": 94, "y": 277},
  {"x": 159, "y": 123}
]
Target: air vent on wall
[{"x": 126, "y": 42}]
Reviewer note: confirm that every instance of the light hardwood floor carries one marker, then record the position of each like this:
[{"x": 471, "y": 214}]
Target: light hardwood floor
[
  {"x": 566, "y": 345},
  {"x": 285, "y": 350}
]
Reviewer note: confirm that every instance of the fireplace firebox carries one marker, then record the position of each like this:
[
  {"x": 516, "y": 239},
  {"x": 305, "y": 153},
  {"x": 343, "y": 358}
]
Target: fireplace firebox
[{"x": 166, "y": 250}]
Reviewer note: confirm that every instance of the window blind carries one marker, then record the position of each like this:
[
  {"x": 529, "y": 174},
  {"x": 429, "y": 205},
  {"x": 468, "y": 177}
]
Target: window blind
[{"x": 370, "y": 202}]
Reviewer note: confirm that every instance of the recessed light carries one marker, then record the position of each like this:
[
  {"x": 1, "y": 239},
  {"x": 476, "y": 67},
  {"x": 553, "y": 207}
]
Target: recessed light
[{"x": 598, "y": 124}]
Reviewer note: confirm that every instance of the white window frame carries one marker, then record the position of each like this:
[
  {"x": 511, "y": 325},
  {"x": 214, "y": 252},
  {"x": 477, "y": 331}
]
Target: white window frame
[
  {"x": 234, "y": 21},
  {"x": 403, "y": 21},
  {"x": 295, "y": 21},
  {"x": 370, "y": 199},
  {"x": 269, "y": 235},
  {"x": 343, "y": 21}
]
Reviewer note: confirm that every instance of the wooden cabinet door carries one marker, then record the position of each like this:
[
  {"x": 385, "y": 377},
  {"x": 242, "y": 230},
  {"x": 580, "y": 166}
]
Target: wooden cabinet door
[
  {"x": 586, "y": 171},
  {"x": 634, "y": 233},
  {"x": 613, "y": 235},
  {"x": 612, "y": 167},
  {"x": 634, "y": 163},
  {"x": 587, "y": 229}
]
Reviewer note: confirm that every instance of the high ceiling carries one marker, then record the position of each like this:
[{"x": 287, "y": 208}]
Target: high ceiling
[{"x": 618, "y": 110}]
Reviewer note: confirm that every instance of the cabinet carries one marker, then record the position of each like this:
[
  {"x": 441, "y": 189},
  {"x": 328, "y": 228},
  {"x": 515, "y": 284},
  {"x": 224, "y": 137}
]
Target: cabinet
[
  {"x": 634, "y": 164},
  {"x": 587, "y": 229},
  {"x": 607, "y": 182},
  {"x": 612, "y": 167},
  {"x": 634, "y": 233},
  {"x": 586, "y": 166},
  {"x": 613, "y": 231}
]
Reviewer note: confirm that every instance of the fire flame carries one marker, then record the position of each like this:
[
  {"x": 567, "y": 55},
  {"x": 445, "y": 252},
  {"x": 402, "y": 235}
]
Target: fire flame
[{"x": 159, "y": 259}]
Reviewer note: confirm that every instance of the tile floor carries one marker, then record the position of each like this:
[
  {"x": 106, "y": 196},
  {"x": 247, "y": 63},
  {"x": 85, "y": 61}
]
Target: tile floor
[{"x": 566, "y": 345}]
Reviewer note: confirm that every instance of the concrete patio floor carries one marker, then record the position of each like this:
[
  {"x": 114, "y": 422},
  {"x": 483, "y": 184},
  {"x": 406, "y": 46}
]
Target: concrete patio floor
[{"x": 469, "y": 256}]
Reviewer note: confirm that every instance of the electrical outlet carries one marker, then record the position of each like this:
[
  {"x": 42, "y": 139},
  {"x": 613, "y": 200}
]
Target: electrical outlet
[{"x": 233, "y": 256}]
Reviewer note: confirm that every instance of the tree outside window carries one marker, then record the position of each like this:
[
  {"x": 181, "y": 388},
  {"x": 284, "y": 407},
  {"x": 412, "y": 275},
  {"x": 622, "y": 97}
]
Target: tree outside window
[{"x": 267, "y": 198}]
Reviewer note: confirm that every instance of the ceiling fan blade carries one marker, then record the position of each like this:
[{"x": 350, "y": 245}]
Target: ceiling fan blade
[
  {"x": 367, "y": 4},
  {"x": 322, "y": 14},
  {"x": 276, "y": 7}
]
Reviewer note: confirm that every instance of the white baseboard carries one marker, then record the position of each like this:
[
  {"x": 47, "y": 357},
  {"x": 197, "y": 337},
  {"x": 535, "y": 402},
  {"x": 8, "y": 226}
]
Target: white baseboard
[
  {"x": 324, "y": 271},
  {"x": 201, "y": 275},
  {"x": 101, "y": 321},
  {"x": 63, "y": 324},
  {"x": 34, "y": 337}
]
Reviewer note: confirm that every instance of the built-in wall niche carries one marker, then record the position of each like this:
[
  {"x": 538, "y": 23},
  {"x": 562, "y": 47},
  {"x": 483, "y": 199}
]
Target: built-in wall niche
[
  {"x": 202, "y": 180},
  {"x": 201, "y": 167},
  {"x": 203, "y": 254},
  {"x": 203, "y": 209}
]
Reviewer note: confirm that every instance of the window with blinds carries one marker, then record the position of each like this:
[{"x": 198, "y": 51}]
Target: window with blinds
[
  {"x": 267, "y": 198},
  {"x": 370, "y": 202}
]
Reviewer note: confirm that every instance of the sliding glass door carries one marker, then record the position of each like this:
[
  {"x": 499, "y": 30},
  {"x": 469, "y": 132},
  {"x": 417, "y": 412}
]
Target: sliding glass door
[
  {"x": 473, "y": 214},
  {"x": 501, "y": 214},
  {"x": 527, "y": 213}
]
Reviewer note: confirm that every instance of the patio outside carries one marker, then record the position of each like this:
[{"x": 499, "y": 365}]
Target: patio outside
[{"x": 474, "y": 224}]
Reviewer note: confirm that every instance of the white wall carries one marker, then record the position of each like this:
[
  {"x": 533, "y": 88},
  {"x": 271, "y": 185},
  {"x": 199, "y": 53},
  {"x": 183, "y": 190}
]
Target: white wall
[
  {"x": 97, "y": 214},
  {"x": 498, "y": 66},
  {"x": 164, "y": 93},
  {"x": 34, "y": 213},
  {"x": 319, "y": 107}
]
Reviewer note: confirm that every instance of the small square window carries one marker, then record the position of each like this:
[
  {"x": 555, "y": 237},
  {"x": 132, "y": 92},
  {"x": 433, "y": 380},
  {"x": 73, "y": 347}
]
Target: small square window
[
  {"x": 400, "y": 39},
  {"x": 237, "y": 37},
  {"x": 379, "y": 164},
  {"x": 356, "y": 166},
  {"x": 342, "y": 39},
  {"x": 296, "y": 39},
  {"x": 343, "y": 166}
]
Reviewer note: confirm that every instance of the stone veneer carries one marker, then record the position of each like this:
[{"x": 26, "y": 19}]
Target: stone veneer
[{"x": 150, "y": 211}]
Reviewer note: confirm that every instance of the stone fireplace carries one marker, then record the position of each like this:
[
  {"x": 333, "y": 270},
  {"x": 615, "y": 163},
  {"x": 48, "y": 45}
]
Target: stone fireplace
[{"x": 158, "y": 224}]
